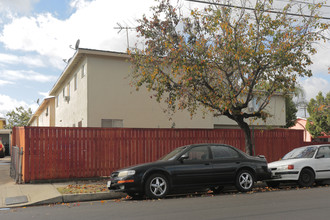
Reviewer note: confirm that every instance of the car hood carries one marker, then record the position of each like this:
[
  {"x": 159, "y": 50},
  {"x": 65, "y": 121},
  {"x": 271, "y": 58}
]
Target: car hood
[
  {"x": 146, "y": 165},
  {"x": 287, "y": 162}
]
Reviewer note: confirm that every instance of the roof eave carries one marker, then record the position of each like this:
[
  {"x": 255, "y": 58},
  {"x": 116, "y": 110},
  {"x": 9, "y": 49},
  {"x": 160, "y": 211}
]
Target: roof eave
[{"x": 40, "y": 108}]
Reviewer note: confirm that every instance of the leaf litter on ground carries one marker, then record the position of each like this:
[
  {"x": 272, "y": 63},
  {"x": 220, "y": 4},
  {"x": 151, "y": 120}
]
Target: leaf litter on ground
[{"x": 84, "y": 187}]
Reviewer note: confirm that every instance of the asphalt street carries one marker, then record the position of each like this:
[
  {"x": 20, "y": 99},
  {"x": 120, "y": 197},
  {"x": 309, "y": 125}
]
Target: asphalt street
[{"x": 298, "y": 203}]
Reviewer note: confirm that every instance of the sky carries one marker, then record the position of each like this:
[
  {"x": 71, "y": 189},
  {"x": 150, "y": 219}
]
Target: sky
[{"x": 36, "y": 36}]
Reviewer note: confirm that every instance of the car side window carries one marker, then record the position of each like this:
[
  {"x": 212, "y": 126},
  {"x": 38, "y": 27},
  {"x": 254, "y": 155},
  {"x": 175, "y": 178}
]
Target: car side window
[
  {"x": 198, "y": 153},
  {"x": 324, "y": 151},
  {"x": 223, "y": 152}
]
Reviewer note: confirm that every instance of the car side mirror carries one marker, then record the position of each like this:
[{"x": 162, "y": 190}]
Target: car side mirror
[
  {"x": 184, "y": 157},
  {"x": 319, "y": 156}
]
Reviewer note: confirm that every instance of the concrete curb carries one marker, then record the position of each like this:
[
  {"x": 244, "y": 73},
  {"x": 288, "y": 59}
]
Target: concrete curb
[
  {"x": 69, "y": 198},
  {"x": 92, "y": 197}
]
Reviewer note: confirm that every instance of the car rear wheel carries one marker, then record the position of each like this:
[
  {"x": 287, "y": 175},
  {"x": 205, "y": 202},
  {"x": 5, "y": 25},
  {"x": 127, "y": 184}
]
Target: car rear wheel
[
  {"x": 244, "y": 181},
  {"x": 156, "y": 186},
  {"x": 306, "y": 178},
  {"x": 273, "y": 184}
]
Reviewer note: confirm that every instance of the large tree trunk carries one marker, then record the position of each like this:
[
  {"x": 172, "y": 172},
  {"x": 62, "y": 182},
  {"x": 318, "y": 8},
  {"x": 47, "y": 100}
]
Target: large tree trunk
[{"x": 247, "y": 134}]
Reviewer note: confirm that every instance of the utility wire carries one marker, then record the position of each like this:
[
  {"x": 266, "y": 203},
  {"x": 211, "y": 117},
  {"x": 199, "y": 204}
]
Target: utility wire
[
  {"x": 307, "y": 3},
  {"x": 252, "y": 9}
]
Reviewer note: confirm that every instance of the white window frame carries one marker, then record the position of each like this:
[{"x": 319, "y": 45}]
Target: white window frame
[
  {"x": 112, "y": 123},
  {"x": 83, "y": 70}
]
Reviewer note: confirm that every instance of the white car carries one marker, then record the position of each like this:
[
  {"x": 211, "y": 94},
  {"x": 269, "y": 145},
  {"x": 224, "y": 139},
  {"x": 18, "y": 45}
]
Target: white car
[{"x": 304, "y": 165}]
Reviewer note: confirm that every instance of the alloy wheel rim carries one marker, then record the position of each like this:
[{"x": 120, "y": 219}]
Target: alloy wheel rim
[
  {"x": 158, "y": 186},
  {"x": 245, "y": 181}
]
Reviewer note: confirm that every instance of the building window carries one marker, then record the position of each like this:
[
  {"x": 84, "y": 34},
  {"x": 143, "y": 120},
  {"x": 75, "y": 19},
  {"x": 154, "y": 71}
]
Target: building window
[
  {"x": 83, "y": 70},
  {"x": 253, "y": 105},
  {"x": 68, "y": 90},
  {"x": 112, "y": 123},
  {"x": 75, "y": 82}
]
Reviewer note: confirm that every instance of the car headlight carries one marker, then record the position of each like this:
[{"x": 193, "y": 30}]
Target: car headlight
[
  {"x": 282, "y": 167},
  {"x": 126, "y": 173},
  {"x": 286, "y": 167}
]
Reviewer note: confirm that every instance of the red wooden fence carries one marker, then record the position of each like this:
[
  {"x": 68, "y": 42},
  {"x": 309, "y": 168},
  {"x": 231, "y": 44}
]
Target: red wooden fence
[{"x": 66, "y": 153}]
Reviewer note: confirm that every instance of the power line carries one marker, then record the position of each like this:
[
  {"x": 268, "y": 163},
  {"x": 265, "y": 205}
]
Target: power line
[
  {"x": 252, "y": 9},
  {"x": 301, "y": 2}
]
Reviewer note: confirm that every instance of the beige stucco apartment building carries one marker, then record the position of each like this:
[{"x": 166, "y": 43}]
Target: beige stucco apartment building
[
  {"x": 45, "y": 114},
  {"x": 94, "y": 91}
]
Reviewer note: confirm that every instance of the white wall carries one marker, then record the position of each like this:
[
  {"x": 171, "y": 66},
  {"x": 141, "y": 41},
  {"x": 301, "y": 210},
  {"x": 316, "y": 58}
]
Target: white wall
[
  {"x": 69, "y": 113},
  {"x": 111, "y": 97},
  {"x": 104, "y": 93},
  {"x": 275, "y": 108}
]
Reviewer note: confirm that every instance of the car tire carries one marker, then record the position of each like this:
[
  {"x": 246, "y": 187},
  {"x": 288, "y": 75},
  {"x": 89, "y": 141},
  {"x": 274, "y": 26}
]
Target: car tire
[
  {"x": 244, "y": 180},
  {"x": 156, "y": 186},
  {"x": 273, "y": 184},
  {"x": 306, "y": 178},
  {"x": 217, "y": 189}
]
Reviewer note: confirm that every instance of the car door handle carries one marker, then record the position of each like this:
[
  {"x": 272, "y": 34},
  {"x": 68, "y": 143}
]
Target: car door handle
[{"x": 207, "y": 163}]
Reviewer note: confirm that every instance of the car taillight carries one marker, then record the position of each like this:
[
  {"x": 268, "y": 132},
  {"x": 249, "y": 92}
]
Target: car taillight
[{"x": 290, "y": 167}]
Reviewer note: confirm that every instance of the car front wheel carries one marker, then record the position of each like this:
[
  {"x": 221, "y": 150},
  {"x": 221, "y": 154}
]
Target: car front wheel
[
  {"x": 156, "y": 186},
  {"x": 306, "y": 178},
  {"x": 244, "y": 181}
]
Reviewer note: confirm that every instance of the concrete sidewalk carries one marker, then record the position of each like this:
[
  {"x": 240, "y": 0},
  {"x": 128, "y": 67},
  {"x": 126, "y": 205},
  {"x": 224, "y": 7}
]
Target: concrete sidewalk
[{"x": 20, "y": 195}]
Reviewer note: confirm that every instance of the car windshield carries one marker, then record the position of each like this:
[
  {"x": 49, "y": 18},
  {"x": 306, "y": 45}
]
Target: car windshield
[
  {"x": 303, "y": 152},
  {"x": 172, "y": 154}
]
